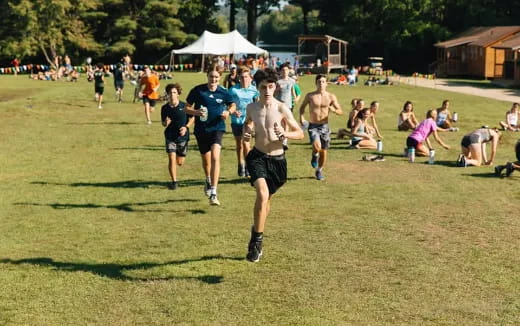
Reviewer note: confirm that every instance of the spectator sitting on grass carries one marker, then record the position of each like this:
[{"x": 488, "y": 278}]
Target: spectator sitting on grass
[
  {"x": 511, "y": 122},
  {"x": 407, "y": 119},
  {"x": 362, "y": 137}
]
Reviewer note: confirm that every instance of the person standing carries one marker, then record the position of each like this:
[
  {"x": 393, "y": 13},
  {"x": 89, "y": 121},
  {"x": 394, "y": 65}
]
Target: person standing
[
  {"x": 176, "y": 132},
  {"x": 16, "y": 63},
  {"x": 211, "y": 105},
  {"x": 149, "y": 92},
  {"x": 99, "y": 83},
  {"x": 243, "y": 94},
  {"x": 320, "y": 103},
  {"x": 119, "y": 81},
  {"x": 285, "y": 91},
  {"x": 266, "y": 161}
]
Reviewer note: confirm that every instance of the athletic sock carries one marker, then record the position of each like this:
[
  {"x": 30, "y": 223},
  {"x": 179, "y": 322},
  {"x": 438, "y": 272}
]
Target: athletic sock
[
  {"x": 257, "y": 236},
  {"x": 208, "y": 180},
  {"x": 318, "y": 169},
  {"x": 213, "y": 190}
]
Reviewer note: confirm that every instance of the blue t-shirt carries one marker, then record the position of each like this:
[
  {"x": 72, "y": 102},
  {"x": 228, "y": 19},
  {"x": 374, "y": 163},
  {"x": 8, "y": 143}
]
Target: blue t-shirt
[
  {"x": 216, "y": 102},
  {"x": 242, "y": 97}
]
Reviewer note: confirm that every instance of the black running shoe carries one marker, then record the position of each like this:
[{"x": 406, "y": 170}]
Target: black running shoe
[
  {"x": 509, "y": 169},
  {"x": 254, "y": 251},
  {"x": 173, "y": 185},
  {"x": 498, "y": 170}
]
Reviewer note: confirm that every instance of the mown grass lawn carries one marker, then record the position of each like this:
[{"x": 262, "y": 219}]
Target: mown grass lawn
[{"x": 91, "y": 235}]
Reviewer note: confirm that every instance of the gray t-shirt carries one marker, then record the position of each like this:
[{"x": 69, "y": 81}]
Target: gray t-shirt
[{"x": 285, "y": 87}]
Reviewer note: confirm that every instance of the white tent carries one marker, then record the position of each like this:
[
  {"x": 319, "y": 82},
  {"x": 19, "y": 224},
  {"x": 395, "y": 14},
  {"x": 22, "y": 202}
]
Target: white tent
[{"x": 218, "y": 44}]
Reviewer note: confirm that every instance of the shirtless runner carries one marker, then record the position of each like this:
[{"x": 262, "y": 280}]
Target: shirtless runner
[
  {"x": 266, "y": 161},
  {"x": 320, "y": 103}
]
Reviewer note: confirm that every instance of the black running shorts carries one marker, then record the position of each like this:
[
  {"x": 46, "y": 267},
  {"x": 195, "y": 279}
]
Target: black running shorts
[{"x": 272, "y": 168}]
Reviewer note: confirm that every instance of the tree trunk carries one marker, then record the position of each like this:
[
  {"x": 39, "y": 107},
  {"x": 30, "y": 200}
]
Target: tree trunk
[
  {"x": 251, "y": 20},
  {"x": 305, "y": 21},
  {"x": 232, "y": 13}
]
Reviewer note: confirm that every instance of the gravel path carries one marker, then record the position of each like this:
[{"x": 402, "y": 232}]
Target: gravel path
[{"x": 498, "y": 93}]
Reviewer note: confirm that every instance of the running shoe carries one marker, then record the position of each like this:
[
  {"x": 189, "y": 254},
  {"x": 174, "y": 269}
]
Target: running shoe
[
  {"x": 463, "y": 163},
  {"x": 498, "y": 170},
  {"x": 149, "y": 122},
  {"x": 319, "y": 175},
  {"x": 254, "y": 251},
  {"x": 173, "y": 185},
  {"x": 509, "y": 169},
  {"x": 207, "y": 188},
  {"x": 241, "y": 170},
  {"x": 314, "y": 160},
  {"x": 213, "y": 200}
]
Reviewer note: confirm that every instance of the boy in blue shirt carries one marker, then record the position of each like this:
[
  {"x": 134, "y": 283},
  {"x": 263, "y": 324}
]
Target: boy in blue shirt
[
  {"x": 211, "y": 105},
  {"x": 242, "y": 94}
]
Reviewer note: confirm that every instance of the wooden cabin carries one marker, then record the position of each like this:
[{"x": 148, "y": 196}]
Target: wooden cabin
[
  {"x": 511, "y": 47},
  {"x": 473, "y": 52},
  {"x": 324, "y": 49}
]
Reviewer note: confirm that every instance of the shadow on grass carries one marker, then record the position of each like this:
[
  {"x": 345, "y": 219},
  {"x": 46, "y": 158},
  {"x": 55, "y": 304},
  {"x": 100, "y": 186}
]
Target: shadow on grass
[
  {"x": 106, "y": 123},
  {"x": 125, "y": 207},
  {"x": 488, "y": 175},
  {"x": 142, "y": 148},
  {"x": 117, "y": 271},
  {"x": 140, "y": 183}
]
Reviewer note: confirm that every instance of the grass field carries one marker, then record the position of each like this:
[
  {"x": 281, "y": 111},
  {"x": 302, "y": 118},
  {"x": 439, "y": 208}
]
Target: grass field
[{"x": 90, "y": 235}]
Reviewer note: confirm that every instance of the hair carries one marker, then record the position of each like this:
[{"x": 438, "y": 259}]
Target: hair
[
  {"x": 244, "y": 69},
  {"x": 212, "y": 69},
  {"x": 354, "y": 101},
  {"x": 100, "y": 65},
  {"x": 359, "y": 100},
  {"x": 406, "y": 103},
  {"x": 430, "y": 112},
  {"x": 516, "y": 104},
  {"x": 374, "y": 103},
  {"x": 361, "y": 113},
  {"x": 445, "y": 102},
  {"x": 177, "y": 86},
  {"x": 285, "y": 64},
  {"x": 319, "y": 76},
  {"x": 268, "y": 74}
]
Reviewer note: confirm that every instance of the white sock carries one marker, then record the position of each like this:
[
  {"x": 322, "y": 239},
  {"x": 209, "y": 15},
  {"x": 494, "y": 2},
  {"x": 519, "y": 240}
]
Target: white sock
[
  {"x": 213, "y": 190},
  {"x": 208, "y": 180}
]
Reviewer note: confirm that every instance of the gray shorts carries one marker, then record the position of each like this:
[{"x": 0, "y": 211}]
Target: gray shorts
[
  {"x": 321, "y": 132},
  {"x": 180, "y": 149}
]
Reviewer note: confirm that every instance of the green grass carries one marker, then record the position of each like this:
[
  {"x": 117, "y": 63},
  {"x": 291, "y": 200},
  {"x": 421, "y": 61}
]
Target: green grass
[{"x": 90, "y": 234}]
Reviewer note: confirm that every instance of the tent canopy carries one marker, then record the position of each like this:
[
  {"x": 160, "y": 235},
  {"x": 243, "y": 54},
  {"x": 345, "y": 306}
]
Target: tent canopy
[{"x": 220, "y": 44}]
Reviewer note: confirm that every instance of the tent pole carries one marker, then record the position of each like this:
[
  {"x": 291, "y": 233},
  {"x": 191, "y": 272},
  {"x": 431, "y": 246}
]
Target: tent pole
[
  {"x": 202, "y": 64},
  {"x": 172, "y": 62}
]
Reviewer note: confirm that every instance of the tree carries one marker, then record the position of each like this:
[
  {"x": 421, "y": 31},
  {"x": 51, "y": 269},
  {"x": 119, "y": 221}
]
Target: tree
[
  {"x": 50, "y": 27},
  {"x": 284, "y": 26},
  {"x": 307, "y": 6},
  {"x": 255, "y": 9}
]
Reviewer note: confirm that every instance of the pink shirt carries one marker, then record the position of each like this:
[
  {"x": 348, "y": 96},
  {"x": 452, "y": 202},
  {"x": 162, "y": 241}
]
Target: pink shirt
[{"x": 423, "y": 130}]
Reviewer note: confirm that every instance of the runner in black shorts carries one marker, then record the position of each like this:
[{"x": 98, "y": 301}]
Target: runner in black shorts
[
  {"x": 266, "y": 161},
  {"x": 176, "y": 133},
  {"x": 211, "y": 105}
]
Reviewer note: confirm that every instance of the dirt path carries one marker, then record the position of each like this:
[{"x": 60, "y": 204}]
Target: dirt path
[{"x": 498, "y": 93}]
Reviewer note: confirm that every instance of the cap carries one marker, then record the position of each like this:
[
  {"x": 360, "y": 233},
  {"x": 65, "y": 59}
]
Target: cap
[{"x": 233, "y": 66}]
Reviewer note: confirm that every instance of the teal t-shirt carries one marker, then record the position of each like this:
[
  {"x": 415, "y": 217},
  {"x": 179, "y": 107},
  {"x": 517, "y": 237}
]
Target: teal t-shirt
[{"x": 242, "y": 97}]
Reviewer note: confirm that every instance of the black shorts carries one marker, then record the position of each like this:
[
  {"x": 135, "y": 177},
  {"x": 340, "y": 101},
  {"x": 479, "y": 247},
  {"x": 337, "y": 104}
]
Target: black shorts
[
  {"x": 99, "y": 90},
  {"x": 206, "y": 140},
  {"x": 470, "y": 139},
  {"x": 411, "y": 142},
  {"x": 517, "y": 150},
  {"x": 237, "y": 129},
  {"x": 149, "y": 100},
  {"x": 179, "y": 148},
  {"x": 119, "y": 85},
  {"x": 272, "y": 168}
]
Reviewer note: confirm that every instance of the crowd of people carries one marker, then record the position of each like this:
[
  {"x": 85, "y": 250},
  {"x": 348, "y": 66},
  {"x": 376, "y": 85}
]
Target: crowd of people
[{"x": 260, "y": 103}]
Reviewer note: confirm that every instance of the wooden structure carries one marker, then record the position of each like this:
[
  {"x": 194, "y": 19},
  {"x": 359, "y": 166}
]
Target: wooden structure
[
  {"x": 331, "y": 52},
  {"x": 511, "y": 58},
  {"x": 474, "y": 52}
]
